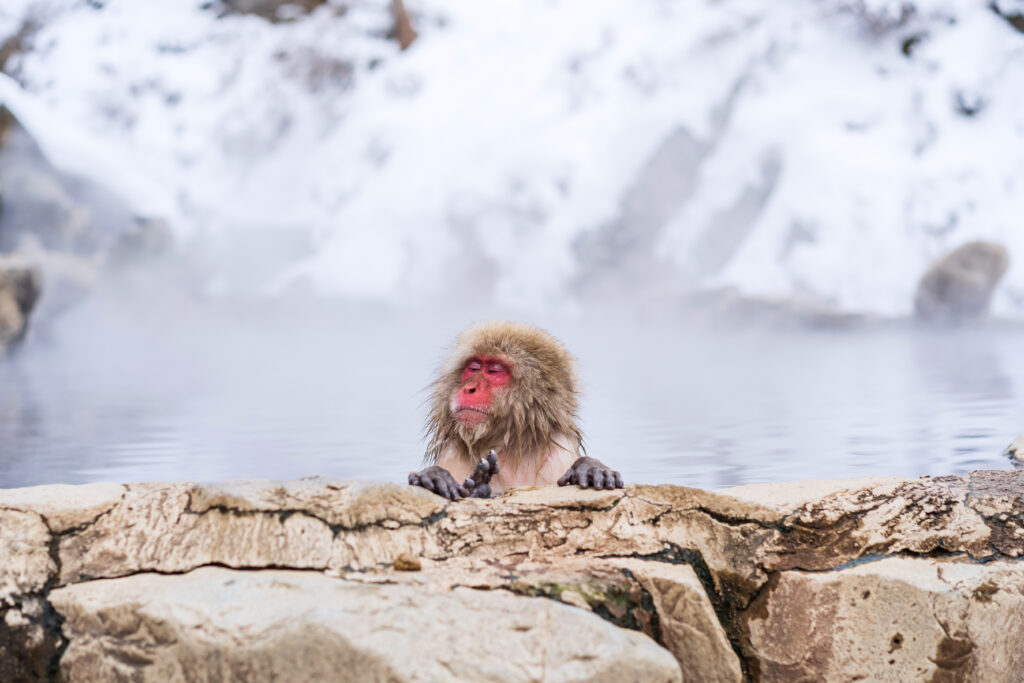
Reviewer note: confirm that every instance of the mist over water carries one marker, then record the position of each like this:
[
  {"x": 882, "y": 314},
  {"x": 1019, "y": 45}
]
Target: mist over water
[{"x": 136, "y": 385}]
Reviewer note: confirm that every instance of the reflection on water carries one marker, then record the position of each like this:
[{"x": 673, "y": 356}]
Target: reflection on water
[{"x": 130, "y": 391}]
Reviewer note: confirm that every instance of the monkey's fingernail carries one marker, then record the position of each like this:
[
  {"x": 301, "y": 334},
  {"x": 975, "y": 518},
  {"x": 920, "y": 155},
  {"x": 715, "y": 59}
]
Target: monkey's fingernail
[{"x": 469, "y": 482}]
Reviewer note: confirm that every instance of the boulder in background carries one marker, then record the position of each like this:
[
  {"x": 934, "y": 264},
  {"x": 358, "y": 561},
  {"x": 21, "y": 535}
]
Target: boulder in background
[
  {"x": 20, "y": 287},
  {"x": 959, "y": 286}
]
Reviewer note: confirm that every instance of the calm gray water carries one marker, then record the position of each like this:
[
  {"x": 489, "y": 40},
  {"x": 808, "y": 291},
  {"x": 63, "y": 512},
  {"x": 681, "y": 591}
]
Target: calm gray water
[{"x": 132, "y": 390}]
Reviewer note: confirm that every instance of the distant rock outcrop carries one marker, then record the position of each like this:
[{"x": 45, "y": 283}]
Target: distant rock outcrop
[
  {"x": 20, "y": 287},
  {"x": 44, "y": 208},
  {"x": 73, "y": 231},
  {"x": 1015, "y": 451},
  {"x": 959, "y": 286},
  {"x": 864, "y": 579}
]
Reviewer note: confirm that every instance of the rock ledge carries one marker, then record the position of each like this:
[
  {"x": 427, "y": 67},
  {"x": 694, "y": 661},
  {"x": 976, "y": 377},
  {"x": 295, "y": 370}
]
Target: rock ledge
[{"x": 873, "y": 579}]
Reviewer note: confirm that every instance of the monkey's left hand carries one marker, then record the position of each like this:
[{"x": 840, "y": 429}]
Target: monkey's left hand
[
  {"x": 591, "y": 472},
  {"x": 479, "y": 483}
]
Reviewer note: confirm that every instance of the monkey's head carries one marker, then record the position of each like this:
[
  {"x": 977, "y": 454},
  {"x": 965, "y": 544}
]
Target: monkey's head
[{"x": 507, "y": 386}]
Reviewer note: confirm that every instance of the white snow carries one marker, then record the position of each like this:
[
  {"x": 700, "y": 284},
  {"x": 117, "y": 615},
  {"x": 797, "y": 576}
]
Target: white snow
[{"x": 831, "y": 166}]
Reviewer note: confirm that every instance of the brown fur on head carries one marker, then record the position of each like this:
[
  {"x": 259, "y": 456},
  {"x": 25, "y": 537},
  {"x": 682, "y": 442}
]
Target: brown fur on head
[{"x": 538, "y": 407}]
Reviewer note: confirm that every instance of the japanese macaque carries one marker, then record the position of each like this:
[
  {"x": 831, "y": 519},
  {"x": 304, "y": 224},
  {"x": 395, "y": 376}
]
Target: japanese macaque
[{"x": 507, "y": 390}]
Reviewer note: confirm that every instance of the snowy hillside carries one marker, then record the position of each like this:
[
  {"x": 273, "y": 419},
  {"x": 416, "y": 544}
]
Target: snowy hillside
[{"x": 527, "y": 152}]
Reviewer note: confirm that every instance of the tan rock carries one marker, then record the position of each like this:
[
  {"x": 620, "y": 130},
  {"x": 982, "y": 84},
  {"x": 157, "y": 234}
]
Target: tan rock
[
  {"x": 681, "y": 524},
  {"x": 319, "y": 524},
  {"x": 153, "y": 528},
  {"x": 897, "y": 619},
  {"x": 407, "y": 563},
  {"x": 688, "y": 626},
  {"x": 25, "y": 563},
  {"x": 789, "y": 495},
  {"x": 719, "y": 504},
  {"x": 679, "y": 564},
  {"x": 315, "y": 524},
  {"x": 604, "y": 586},
  {"x": 666, "y": 601},
  {"x": 888, "y": 516},
  {"x": 596, "y": 585},
  {"x": 1015, "y": 451},
  {"x": 64, "y": 507},
  {"x": 218, "y": 624},
  {"x": 28, "y": 644},
  {"x": 998, "y": 498},
  {"x": 564, "y": 496},
  {"x": 344, "y": 504}
]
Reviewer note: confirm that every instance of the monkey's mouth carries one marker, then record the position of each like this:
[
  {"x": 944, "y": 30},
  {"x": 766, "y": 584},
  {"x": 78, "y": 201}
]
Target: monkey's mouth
[{"x": 468, "y": 415}]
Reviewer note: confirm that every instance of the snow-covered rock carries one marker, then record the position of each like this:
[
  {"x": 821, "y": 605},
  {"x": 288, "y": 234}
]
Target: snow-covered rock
[
  {"x": 531, "y": 152},
  {"x": 959, "y": 286}
]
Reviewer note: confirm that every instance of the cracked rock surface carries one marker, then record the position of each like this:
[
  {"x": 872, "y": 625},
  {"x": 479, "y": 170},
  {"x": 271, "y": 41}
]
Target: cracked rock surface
[
  {"x": 214, "y": 623},
  {"x": 898, "y": 619},
  {"x": 255, "y": 579}
]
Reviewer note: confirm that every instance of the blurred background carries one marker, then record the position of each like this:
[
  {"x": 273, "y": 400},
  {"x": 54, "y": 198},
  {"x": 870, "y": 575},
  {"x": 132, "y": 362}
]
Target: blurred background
[{"x": 783, "y": 239}]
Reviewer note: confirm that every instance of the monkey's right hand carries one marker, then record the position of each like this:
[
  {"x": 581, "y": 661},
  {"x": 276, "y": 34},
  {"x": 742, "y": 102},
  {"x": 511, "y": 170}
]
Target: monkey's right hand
[
  {"x": 479, "y": 483},
  {"x": 440, "y": 481}
]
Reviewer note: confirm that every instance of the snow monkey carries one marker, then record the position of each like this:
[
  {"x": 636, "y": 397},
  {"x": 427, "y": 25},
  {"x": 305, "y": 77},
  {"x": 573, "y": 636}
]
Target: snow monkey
[{"x": 508, "y": 390}]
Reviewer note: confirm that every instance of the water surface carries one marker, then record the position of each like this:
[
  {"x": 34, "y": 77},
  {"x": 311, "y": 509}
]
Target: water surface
[{"x": 127, "y": 389}]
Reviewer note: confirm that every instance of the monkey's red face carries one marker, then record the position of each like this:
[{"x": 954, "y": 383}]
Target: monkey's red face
[{"x": 483, "y": 379}]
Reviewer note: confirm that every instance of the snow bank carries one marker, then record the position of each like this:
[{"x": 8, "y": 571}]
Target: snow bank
[{"x": 827, "y": 150}]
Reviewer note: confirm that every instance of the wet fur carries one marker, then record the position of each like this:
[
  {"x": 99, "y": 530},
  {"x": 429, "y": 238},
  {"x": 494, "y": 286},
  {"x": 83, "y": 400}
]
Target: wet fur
[{"x": 535, "y": 416}]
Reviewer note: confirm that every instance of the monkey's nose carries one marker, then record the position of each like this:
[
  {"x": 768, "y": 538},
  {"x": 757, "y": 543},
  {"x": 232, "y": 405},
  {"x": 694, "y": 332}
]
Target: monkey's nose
[{"x": 470, "y": 390}]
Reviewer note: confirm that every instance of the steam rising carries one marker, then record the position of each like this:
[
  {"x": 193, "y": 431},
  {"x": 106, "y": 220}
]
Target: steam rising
[{"x": 142, "y": 384}]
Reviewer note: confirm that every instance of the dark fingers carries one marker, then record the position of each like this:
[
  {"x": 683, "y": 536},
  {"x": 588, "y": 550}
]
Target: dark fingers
[{"x": 439, "y": 486}]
